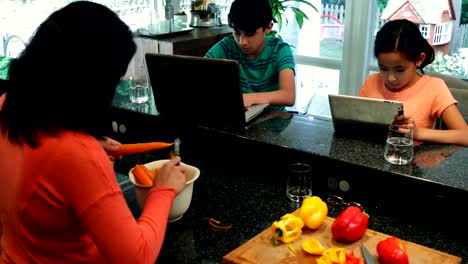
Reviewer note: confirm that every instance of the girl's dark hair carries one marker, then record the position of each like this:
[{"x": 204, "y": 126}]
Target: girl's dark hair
[
  {"x": 66, "y": 77},
  {"x": 249, "y": 15},
  {"x": 403, "y": 36}
]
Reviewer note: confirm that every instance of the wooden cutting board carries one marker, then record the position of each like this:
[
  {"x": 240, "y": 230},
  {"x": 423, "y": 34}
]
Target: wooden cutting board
[{"x": 260, "y": 249}]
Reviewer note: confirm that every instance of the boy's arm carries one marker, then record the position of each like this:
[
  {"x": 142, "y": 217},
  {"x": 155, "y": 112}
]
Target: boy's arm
[{"x": 285, "y": 96}]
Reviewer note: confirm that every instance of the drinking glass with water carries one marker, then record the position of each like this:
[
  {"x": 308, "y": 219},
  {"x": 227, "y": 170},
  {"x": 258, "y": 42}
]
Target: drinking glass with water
[
  {"x": 399, "y": 146},
  {"x": 139, "y": 90}
]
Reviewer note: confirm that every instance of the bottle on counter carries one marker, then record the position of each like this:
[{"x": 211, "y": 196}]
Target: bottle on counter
[{"x": 169, "y": 11}]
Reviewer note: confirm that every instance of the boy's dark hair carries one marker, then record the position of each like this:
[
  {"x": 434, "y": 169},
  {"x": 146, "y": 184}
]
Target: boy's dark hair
[
  {"x": 249, "y": 15},
  {"x": 66, "y": 77},
  {"x": 403, "y": 36}
]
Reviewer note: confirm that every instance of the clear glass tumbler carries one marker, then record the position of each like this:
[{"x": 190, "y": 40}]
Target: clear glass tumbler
[
  {"x": 299, "y": 184},
  {"x": 139, "y": 90},
  {"x": 399, "y": 146}
]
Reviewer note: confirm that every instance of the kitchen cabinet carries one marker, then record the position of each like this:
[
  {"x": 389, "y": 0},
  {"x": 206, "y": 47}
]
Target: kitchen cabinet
[{"x": 193, "y": 43}]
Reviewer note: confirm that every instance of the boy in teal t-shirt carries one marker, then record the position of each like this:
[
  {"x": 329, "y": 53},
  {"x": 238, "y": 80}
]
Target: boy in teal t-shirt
[
  {"x": 4, "y": 63},
  {"x": 266, "y": 63}
]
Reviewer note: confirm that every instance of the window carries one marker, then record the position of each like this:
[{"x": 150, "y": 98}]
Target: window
[
  {"x": 424, "y": 30},
  {"x": 333, "y": 50},
  {"x": 326, "y": 61},
  {"x": 442, "y": 33},
  {"x": 341, "y": 66},
  {"x": 135, "y": 13}
]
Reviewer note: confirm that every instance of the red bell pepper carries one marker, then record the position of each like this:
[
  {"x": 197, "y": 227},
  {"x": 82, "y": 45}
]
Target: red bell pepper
[
  {"x": 351, "y": 259},
  {"x": 392, "y": 251},
  {"x": 350, "y": 225}
]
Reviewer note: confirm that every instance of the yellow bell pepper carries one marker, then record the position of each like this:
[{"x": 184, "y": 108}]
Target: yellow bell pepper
[
  {"x": 288, "y": 229},
  {"x": 313, "y": 212}
]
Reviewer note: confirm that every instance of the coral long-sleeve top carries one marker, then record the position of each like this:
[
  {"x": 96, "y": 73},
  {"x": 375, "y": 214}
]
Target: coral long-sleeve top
[{"x": 61, "y": 203}]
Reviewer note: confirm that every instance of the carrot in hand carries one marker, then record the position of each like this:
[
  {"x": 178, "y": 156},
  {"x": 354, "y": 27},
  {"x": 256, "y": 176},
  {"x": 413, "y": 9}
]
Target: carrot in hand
[
  {"x": 141, "y": 177},
  {"x": 126, "y": 149}
]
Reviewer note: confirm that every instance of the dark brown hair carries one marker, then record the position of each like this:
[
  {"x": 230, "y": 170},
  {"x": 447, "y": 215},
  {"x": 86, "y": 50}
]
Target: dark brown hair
[
  {"x": 66, "y": 77},
  {"x": 403, "y": 36}
]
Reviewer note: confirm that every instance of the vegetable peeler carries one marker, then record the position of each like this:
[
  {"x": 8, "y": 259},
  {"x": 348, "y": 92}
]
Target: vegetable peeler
[{"x": 175, "y": 151}]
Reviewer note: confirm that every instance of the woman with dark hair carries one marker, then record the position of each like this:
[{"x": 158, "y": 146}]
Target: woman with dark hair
[
  {"x": 60, "y": 201},
  {"x": 402, "y": 53}
]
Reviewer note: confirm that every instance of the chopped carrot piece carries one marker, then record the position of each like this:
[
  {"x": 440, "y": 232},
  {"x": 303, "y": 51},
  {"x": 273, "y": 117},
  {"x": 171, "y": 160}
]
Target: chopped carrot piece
[
  {"x": 151, "y": 173},
  {"x": 216, "y": 225},
  {"x": 141, "y": 176}
]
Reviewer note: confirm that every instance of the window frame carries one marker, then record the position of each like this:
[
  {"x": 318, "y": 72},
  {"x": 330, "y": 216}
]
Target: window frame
[
  {"x": 444, "y": 36},
  {"x": 360, "y": 18},
  {"x": 425, "y": 30}
]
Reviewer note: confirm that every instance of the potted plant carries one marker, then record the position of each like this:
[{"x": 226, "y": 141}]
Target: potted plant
[{"x": 280, "y": 6}]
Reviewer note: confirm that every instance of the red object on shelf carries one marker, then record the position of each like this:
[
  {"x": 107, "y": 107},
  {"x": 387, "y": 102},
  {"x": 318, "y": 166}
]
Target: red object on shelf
[{"x": 331, "y": 31}]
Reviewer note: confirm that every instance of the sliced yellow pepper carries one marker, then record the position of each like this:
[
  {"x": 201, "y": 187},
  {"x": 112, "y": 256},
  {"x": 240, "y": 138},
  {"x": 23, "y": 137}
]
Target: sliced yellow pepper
[
  {"x": 333, "y": 256},
  {"x": 288, "y": 229},
  {"x": 292, "y": 249},
  {"x": 313, "y": 212},
  {"x": 313, "y": 246}
]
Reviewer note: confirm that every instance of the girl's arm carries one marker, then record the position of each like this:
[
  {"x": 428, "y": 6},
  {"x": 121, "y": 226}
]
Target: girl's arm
[{"x": 456, "y": 132}]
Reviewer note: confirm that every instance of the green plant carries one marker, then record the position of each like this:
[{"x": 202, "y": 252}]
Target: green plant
[
  {"x": 280, "y": 6},
  {"x": 452, "y": 64}
]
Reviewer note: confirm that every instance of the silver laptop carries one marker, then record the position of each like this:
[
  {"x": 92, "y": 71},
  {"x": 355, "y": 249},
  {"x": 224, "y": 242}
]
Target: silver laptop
[
  {"x": 361, "y": 117},
  {"x": 199, "y": 91}
]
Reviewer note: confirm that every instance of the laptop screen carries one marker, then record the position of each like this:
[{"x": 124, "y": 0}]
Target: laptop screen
[{"x": 197, "y": 90}]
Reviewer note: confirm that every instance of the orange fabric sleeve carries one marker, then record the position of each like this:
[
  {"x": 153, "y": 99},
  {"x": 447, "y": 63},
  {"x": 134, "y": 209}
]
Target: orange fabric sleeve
[
  {"x": 2, "y": 100},
  {"x": 72, "y": 207},
  {"x": 104, "y": 213},
  {"x": 120, "y": 238}
]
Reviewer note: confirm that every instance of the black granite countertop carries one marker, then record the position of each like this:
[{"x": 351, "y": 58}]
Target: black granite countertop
[
  {"x": 443, "y": 164},
  {"x": 251, "y": 201},
  {"x": 243, "y": 179}
]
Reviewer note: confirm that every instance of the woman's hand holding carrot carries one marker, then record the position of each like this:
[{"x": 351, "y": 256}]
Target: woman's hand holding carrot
[
  {"x": 170, "y": 176},
  {"x": 110, "y": 146}
]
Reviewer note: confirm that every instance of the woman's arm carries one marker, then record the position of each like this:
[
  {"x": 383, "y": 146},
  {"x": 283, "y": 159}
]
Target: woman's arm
[{"x": 122, "y": 239}]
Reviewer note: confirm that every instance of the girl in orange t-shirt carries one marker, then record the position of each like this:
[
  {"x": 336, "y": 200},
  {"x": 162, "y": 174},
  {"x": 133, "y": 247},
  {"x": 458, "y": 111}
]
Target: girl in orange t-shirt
[{"x": 401, "y": 50}]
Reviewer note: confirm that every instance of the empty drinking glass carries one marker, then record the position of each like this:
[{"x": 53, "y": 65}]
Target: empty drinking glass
[
  {"x": 299, "y": 185},
  {"x": 399, "y": 146}
]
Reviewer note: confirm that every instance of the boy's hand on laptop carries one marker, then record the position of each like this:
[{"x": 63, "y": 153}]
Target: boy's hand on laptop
[{"x": 248, "y": 99}]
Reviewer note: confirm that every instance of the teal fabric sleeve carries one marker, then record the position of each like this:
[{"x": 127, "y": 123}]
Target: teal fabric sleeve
[{"x": 4, "y": 63}]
